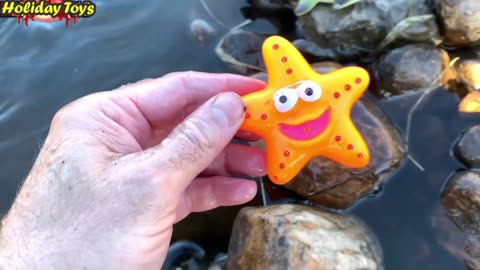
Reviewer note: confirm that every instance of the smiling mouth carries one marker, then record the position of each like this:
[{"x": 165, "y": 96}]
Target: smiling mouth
[{"x": 307, "y": 130}]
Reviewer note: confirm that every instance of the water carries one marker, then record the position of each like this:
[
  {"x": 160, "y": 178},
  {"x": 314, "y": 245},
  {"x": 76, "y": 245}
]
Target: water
[{"x": 45, "y": 66}]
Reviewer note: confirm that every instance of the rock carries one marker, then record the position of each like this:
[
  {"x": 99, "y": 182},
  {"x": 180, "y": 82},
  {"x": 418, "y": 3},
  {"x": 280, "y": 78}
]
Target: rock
[
  {"x": 332, "y": 185},
  {"x": 459, "y": 21},
  {"x": 242, "y": 50},
  {"x": 269, "y": 4},
  {"x": 409, "y": 68},
  {"x": 312, "y": 52},
  {"x": 301, "y": 237},
  {"x": 470, "y": 103},
  {"x": 422, "y": 28},
  {"x": 461, "y": 200},
  {"x": 467, "y": 149},
  {"x": 472, "y": 249},
  {"x": 356, "y": 31},
  {"x": 447, "y": 234},
  {"x": 468, "y": 73}
]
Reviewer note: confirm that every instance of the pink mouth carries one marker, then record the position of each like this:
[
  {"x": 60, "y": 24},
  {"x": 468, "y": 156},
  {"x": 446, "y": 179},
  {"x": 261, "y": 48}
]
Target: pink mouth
[{"x": 307, "y": 130}]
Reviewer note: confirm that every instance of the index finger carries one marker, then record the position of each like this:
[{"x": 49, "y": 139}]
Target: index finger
[{"x": 178, "y": 94}]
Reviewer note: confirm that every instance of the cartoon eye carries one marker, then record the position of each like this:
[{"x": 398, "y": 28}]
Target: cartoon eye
[
  {"x": 309, "y": 91},
  {"x": 285, "y": 99}
]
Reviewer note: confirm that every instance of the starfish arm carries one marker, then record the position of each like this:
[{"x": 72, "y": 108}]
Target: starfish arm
[
  {"x": 257, "y": 113},
  {"x": 346, "y": 85},
  {"x": 347, "y": 146},
  {"x": 284, "y": 160},
  {"x": 284, "y": 63}
]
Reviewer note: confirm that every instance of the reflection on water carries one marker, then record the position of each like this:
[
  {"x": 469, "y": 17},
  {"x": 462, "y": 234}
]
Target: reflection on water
[{"x": 45, "y": 66}]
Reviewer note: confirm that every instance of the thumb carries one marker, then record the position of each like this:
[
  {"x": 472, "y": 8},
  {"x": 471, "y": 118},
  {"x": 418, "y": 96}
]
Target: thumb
[{"x": 194, "y": 144}]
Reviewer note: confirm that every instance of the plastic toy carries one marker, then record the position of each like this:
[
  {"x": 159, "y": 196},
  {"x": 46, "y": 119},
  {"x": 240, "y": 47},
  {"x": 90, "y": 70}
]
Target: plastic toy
[{"x": 302, "y": 114}]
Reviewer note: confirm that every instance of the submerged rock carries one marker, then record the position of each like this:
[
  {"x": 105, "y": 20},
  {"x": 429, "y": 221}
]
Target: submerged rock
[
  {"x": 408, "y": 68},
  {"x": 332, "y": 185},
  {"x": 301, "y": 237},
  {"x": 356, "y": 31},
  {"x": 459, "y": 21},
  {"x": 467, "y": 149},
  {"x": 447, "y": 234},
  {"x": 472, "y": 249},
  {"x": 461, "y": 200},
  {"x": 242, "y": 50}
]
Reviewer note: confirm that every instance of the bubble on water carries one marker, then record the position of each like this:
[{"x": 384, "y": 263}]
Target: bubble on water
[{"x": 201, "y": 29}]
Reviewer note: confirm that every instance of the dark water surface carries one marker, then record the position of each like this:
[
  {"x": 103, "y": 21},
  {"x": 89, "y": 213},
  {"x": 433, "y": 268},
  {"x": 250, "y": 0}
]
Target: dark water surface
[{"x": 45, "y": 66}]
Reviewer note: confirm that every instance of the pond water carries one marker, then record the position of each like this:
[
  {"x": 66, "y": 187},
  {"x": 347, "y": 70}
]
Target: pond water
[{"x": 45, "y": 66}]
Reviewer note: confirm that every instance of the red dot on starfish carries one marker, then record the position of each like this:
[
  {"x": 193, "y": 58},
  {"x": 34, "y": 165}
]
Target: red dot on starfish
[
  {"x": 247, "y": 115},
  {"x": 264, "y": 116},
  {"x": 336, "y": 95},
  {"x": 358, "y": 80},
  {"x": 348, "y": 87},
  {"x": 338, "y": 138},
  {"x": 286, "y": 153},
  {"x": 289, "y": 71},
  {"x": 275, "y": 46},
  {"x": 284, "y": 59},
  {"x": 360, "y": 155},
  {"x": 282, "y": 165},
  {"x": 349, "y": 147}
]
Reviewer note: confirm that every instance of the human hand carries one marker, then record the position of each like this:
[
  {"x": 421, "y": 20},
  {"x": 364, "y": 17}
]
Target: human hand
[{"x": 119, "y": 168}]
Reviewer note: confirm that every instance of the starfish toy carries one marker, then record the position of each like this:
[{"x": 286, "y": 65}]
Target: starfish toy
[{"x": 301, "y": 114}]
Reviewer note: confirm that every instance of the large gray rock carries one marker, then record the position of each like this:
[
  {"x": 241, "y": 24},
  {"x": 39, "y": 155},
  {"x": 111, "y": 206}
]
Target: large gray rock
[
  {"x": 410, "y": 68},
  {"x": 356, "y": 31},
  {"x": 461, "y": 200},
  {"x": 301, "y": 237},
  {"x": 459, "y": 20}
]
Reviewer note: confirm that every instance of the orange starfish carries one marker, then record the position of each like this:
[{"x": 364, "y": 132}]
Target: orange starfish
[{"x": 302, "y": 114}]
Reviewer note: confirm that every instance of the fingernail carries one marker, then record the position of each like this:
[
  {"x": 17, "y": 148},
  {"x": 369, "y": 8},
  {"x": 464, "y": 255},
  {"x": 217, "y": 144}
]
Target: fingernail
[{"x": 228, "y": 109}]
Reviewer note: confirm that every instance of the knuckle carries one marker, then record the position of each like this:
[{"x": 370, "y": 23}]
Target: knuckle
[{"x": 196, "y": 133}]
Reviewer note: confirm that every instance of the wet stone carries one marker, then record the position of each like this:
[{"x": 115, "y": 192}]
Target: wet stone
[
  {"x": 467, "y": 150},
  {"x": 300, "y": 237},
  {"x": 468, "y": 71},
  {"x": 472, "y": 250},
  {"x": 242, "y": 50},
  {"x": 312, "y": 52},
  {"x": 461, "y": 201},
  {"x": 355, "y": 32},
  {"x": 470, "y": 103},
  {"x": 459, "y": 21},
  {"x": 410, "y": 68}
]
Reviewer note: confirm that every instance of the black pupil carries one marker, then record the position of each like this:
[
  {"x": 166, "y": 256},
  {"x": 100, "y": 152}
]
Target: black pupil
[
  {"x": 283, "y": 99},
  {"x": 309, "y": 91}
]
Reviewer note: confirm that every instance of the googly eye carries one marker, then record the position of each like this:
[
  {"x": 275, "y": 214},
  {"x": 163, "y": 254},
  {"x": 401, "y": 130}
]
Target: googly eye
[
  {"x": 309, "y": 91},
  {"x": 285, "y": 99}
]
